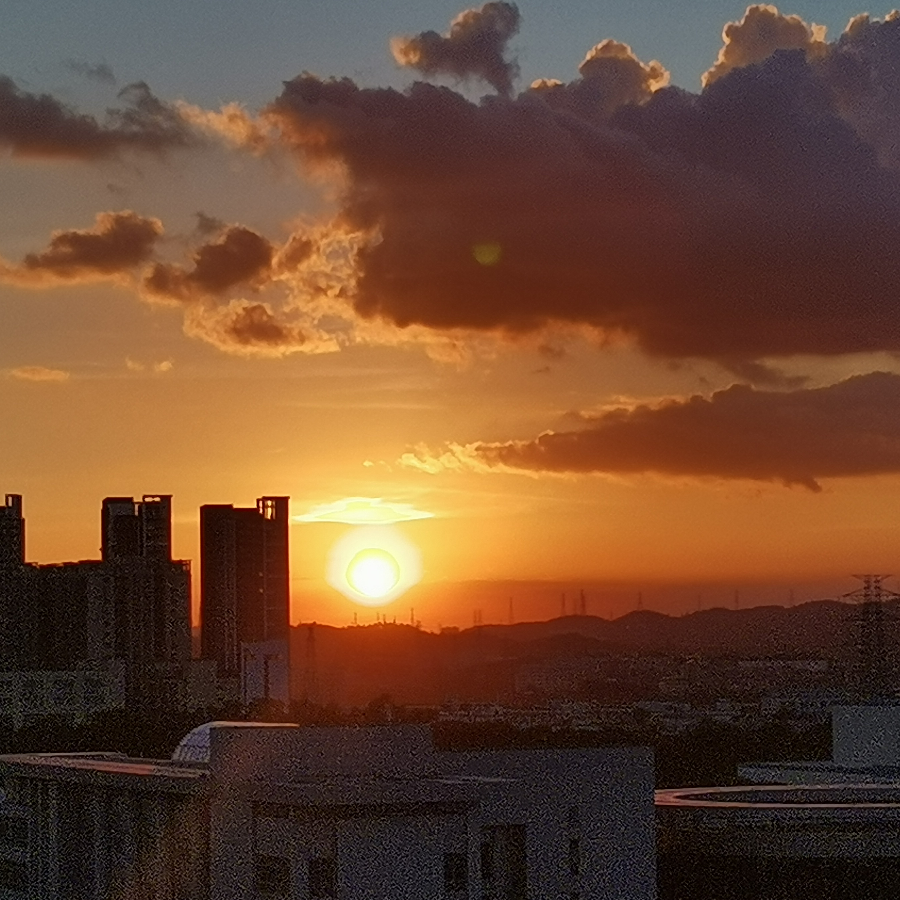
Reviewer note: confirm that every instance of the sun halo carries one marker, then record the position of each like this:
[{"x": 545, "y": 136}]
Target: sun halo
[
  {"x": 373, "y": 564},
  {"x": 373, "y": 572}
]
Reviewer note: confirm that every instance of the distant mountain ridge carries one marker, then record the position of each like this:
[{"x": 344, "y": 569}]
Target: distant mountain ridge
[{"x": 820, "y": 627}]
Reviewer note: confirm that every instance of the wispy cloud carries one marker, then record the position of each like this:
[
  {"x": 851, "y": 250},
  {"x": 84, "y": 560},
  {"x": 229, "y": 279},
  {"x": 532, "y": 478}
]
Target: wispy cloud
[
  {"x": 364, "y": 511},
  {"x": 100, "y": 72},
  {"x": 38, "y": 373}
]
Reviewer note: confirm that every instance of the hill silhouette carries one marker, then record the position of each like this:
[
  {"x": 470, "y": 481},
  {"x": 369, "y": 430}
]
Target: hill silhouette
[{"x": 352, "y": 665}]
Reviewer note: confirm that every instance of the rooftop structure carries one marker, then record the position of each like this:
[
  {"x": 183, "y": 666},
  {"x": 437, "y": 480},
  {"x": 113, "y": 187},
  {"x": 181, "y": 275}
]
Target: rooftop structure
[
  {"x": 828, "y": 841},
  {"x": 823, "y": 828},
  {"x": 250, "y": 810}
]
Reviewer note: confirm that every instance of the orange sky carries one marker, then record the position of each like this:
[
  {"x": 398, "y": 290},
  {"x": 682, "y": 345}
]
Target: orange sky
[{"x": 603, "y": 331}]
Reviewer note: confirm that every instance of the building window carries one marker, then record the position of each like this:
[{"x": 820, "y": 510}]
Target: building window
[
  {"x": 13, "y": 831},
  {"x": 487, "y": 863},
  {"x": 272, "y": 876},
  {"x": 13, "y": 876},
  {"x": 574, "y": 856},
  {"x": 456, "y": 872},
  {"x": 323, "y": 877}
]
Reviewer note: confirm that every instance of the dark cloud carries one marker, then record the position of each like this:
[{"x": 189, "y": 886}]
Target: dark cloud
[
  {"x": 207, "y": 225},
  {"x": 39, "y": 125},
  {"x": 238, "y": 256},
  {"x": 117, "y": 244},
  {"x": 862, "y": 71},
  {"x": 796, "y": 438},
  {"x": 251, "y": 329},
  {"x": 475, "y": 46},
  {"x": 254, "y": 324},
  {"x": 99, "y": 72},
  {"x": 754, "y": 220},
  {"x": 239, "y": 259}
]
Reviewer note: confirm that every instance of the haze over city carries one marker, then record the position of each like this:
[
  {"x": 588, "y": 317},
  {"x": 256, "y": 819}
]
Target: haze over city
[{"x": 584, "y": 297}]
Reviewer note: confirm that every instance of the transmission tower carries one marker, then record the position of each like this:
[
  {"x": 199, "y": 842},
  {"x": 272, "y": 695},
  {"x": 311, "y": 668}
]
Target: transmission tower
[
  {"x": 870, "y": 668},
  {"x": 312, "y": 674}
]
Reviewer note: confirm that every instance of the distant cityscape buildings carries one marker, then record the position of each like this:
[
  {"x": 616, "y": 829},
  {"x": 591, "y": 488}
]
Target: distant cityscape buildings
[{"x": 128, "y": 614}]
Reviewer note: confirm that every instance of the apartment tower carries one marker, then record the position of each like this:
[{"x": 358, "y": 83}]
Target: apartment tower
[{"x": 244, "y": 579}]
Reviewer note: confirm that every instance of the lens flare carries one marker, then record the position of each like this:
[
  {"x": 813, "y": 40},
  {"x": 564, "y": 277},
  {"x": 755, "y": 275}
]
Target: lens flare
[
  {"x": 373, "y": 572},
  {"x": 487, "y": 254},
  {"x": 373, "y": 564}
]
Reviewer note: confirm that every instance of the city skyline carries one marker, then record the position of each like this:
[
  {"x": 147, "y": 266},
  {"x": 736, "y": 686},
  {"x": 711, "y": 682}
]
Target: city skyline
[{"x": 610, "y": 328}]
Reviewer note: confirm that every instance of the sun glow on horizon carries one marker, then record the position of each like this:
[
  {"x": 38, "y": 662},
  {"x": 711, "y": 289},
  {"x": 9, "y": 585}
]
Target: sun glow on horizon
[
  {"x": 373, "y": 572},
  {"x": 373, "y": 565}
]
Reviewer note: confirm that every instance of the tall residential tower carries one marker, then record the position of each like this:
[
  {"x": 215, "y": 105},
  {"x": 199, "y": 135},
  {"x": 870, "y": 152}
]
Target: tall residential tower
[
  {"x": 244, "y": 579},
  {"x": 12, "y": 532}
]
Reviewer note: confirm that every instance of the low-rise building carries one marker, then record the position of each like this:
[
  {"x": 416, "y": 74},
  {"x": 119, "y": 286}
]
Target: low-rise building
[{"x": 72, "y": 696}]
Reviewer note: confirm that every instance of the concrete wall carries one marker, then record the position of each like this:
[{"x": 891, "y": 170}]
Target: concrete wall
[
  {"x": 603, "y": 797},
  {"x": 865, "y": 736}
]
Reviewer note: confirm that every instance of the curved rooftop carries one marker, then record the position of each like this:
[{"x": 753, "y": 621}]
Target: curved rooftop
[
  {"x": 194, "y": 746},
  {"x": 819, "y": 796}
]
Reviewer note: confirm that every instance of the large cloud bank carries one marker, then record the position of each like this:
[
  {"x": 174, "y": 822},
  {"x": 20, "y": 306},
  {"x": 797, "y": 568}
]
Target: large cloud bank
[
  {"x": 847, "y": 429},
  {"x": 756, "y": 219}
]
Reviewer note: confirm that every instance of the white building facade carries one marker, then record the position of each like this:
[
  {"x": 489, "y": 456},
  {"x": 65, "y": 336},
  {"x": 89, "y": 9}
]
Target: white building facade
[{"x": 246, "y": 811}]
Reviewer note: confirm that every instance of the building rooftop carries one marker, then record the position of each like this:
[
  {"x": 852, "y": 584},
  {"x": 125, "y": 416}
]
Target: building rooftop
[
  {"x": 818, "y": 796},
  {"x": 194, "y": 746}
]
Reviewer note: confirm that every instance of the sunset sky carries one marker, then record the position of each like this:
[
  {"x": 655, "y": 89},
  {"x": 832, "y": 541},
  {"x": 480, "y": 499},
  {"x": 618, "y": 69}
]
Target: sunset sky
[{"x": 582, "y": 293}]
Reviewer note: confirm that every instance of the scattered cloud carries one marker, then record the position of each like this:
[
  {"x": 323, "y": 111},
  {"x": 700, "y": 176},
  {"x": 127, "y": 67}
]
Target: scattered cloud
[
  {"x": 118, "y": 242},
  {"x": 611, "y": 77},
  {"x": 38, "y": 373},
  {"x": 39, "y": 125},
  {"x": 238, "y": 256},
  {"x": 475, "y": 46},
  {"x": 157, "y": 368},
  {"x": 254, "y": 329},
  {"x": 796, "y": 438},
  {"x": 364, "y": 511}
]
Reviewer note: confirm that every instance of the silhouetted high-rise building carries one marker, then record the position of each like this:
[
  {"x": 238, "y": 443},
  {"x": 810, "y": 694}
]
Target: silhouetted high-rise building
[
  {"x": 12, "y": 532},
  {"x": 244, "y": 578},
  {"x": 131, "y": 529}
]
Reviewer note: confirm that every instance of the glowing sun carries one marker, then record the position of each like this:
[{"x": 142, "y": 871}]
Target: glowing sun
[
  {"x": 373, "y": 572},
  {"x": 373, "y": 564}
]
